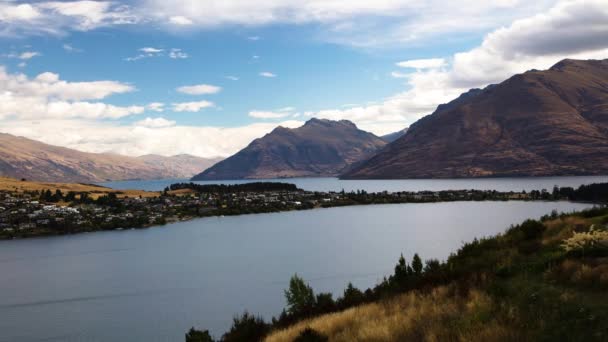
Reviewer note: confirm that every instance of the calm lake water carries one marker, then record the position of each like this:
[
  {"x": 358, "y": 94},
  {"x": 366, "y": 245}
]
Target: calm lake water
[
  {"x": 154, "y": 284},
  {"x": 335, "y": 184}
]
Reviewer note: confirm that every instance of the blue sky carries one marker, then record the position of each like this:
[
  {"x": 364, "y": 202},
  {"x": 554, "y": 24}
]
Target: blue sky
[{"x": 106, "y": 76}]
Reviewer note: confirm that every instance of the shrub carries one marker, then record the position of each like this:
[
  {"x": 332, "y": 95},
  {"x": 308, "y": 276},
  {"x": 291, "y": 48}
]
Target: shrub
[
  {"x": 532, "y": 229},
  {"x": 592, "y": 241},
  {"x": 198, "y": 336},
  {"x": 310, "y": 335},
  {"x": 246, "y": 328}
]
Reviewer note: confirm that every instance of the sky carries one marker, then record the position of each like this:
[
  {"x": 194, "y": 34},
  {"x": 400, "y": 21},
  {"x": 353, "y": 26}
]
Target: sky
[{"x": 207, "y": 77}]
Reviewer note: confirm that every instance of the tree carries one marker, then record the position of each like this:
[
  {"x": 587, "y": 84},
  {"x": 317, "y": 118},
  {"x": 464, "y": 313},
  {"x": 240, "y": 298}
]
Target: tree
[
  {"x": 300, "y": 296},
  {"x": 352, "y": 296},
  {"x": 324, "y": 303},
  {"x": 198, "y": 336},
  {"x": 246, "y": 328},
  {"x": 417, "y": 264},
  {"x": 401, "y": 272}
]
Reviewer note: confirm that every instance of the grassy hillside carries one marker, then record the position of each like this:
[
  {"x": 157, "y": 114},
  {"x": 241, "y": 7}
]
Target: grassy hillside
[
  {"x": 544, "y": 281},
  {"x": 539, "y": 281},
  {"x": 15, "y": 185}
]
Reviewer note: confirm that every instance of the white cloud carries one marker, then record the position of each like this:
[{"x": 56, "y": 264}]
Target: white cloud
[
  {"x": 254, "y": 38},
  {"x": 58, "y": 17},
  {"x": 232, "y": 78},
  {"x": 151, "y": 50},
  {"x": 15, "y": 13},
  {"x": 156, "y": 106},
  {"x": 430, "y": 63},
  {"x": 276, "y": 114},
  {"x": 267, "y": 74},
  {"x": 180, "y": 20},
  {"x": 178, "y": 54},
  {"x": 361, "y": 23},
  {"x": 199, "y": 89},
  {"x": 47, "y": 96},
  {"x": 70, "y": 48},
  {"x": 195, "y": 106},
  {"x": 28, "y": 55},
  {"x": 155, "y": 123}
]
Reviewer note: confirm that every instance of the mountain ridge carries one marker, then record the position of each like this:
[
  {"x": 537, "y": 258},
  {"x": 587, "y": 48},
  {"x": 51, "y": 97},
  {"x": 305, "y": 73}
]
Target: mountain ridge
[
  {"x": 318, "y": 148},
  {"x": 21, "y": 157},
  {"x": 538, "y": 123}
]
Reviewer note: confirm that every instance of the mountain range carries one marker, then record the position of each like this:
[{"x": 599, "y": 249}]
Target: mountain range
[
  {"x": 25, "y": 158},
  {"x": 539, "y": 123},
  {"x": 318, "y": 148}
]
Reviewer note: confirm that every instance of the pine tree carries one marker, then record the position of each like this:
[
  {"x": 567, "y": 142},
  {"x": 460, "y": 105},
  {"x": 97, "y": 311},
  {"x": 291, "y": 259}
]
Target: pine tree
[{"x": 417, "y": 264}]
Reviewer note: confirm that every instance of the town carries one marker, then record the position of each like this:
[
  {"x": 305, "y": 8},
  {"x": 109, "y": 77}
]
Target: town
[{"x": 39, "y": 213}]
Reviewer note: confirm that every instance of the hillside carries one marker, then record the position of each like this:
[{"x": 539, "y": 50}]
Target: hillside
[
  {"x": 539, "y": 123},
  {"x": 389, "y": 138},
  {"x": 18, "y": 186},
  {"x": 25, "y": 158},
  {"x": 539, "y": 281},
  {"x": 318, "y": 148}
]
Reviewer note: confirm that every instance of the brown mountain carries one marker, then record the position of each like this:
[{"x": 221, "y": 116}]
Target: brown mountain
[
  {"x": 539, "y": 123},
  {"x": 319, "y": 148},
  {"x": 25, "y": 158},
  {"x": 389, "y": 138}
]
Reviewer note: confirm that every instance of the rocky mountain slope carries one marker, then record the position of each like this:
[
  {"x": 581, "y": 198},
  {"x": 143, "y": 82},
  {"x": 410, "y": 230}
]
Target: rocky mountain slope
[
  {"x": 539, "y": 123},
  {"x": 25, "y": 158},
  {"x": 319, "y": 148}
]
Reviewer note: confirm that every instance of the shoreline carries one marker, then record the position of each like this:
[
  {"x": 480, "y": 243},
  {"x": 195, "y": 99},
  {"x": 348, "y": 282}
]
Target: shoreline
[{"x": 193, "y": 218}]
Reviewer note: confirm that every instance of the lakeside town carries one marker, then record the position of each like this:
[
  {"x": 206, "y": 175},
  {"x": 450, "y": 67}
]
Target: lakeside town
[{"x": 43, "y": 212}]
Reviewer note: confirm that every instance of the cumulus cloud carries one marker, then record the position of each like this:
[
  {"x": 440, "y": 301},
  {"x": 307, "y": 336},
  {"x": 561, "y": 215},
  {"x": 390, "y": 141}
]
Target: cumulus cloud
[
  {"x": 195, "y": 106},
  {"x": 47, "y": 96},
  {"x": 360, "y": 23},
  {"x": 267, "y": 74},
  {"x": 430, "y": 63},
  {"x": 155, "y": 123},
  {"x": 357, "y": 22},
  {"x": 156, "y": 106},
  {"x": 59, "y": 17},
  {"x": 199, "y": 89},
  {"x": 180, "y": 20}
]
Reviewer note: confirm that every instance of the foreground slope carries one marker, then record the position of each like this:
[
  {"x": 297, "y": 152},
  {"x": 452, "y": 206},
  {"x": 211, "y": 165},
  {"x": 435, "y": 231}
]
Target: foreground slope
[
  {"x": 537, "y": 282},
  {"x": 539, "y": 123},
  {"x": 319, "y": 148},
  {"x": 25, "y": 158}
]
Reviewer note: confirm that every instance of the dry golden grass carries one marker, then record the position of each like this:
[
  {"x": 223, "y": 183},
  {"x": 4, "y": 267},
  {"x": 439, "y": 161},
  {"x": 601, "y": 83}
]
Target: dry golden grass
[
  {"x": 437, "y": 316},
  {"x": 10, "y": 184},
  {"x": 589, "y": 273},
  {"x": 562, "y": 228}
]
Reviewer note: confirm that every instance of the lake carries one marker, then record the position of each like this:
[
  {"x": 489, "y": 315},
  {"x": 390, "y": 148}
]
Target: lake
[
  {"x": 154, "y": 284},
  {"x": 335, "y": 184}
]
